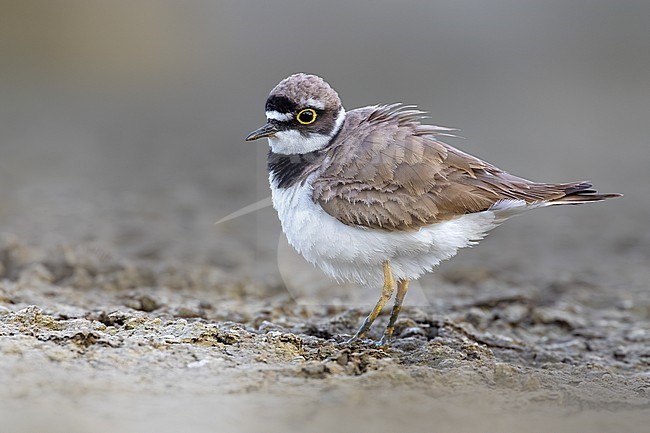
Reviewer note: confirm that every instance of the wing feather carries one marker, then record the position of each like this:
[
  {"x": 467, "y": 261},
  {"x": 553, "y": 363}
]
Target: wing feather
[{"x": 388, "y": 171}]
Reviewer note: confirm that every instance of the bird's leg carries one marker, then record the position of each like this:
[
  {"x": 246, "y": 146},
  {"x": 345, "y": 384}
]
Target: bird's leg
[
  {"x": 386, "y": 293},
  {"x": 402, "y": 287}
]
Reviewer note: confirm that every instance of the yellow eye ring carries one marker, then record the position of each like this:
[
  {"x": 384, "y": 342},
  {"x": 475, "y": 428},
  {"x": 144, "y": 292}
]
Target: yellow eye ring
[{"x": 306, "y": 116}]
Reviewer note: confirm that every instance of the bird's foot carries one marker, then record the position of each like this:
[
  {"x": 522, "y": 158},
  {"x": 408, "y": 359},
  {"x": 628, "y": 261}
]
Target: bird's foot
[
  {"x": 357, "y": 340},
  {"x": 387, "y": 337},
  {"x": 384, "y": 342}
]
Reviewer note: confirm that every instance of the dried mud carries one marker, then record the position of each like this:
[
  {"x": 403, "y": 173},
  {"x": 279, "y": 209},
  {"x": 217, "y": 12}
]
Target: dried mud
[{"x": 86, "y": 335}]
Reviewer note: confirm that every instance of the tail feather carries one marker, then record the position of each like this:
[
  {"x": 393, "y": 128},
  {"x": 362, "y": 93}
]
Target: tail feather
[{"x": 581, "y": 192}]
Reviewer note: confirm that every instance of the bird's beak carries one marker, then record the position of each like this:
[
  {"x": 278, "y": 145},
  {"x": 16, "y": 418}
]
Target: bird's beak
[{"x": 265, "y": 131}]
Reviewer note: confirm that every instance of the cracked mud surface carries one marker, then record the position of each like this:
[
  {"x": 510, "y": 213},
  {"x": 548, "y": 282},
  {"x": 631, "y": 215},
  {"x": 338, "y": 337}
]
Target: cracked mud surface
[{"x": 86, "y": 333}]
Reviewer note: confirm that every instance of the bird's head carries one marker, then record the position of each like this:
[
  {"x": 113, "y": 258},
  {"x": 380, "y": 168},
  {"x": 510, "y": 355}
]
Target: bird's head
[{"x": 303, "y": 114}]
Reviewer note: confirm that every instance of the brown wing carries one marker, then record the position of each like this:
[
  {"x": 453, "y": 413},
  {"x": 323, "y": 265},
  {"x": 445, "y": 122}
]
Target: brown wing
[{"x": 390, "y": 172}]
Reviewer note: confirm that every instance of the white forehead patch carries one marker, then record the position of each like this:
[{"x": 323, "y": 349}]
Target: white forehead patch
[
  {"x": 280, "y": 117},
  {"x": 310, "y": 102}
]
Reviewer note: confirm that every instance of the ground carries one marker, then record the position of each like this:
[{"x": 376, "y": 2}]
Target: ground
[{"x": 95, "y": 341}]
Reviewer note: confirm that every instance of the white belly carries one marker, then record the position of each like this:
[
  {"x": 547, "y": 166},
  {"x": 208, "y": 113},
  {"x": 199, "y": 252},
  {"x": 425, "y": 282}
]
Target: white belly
[{"x": 357, "y": 254}]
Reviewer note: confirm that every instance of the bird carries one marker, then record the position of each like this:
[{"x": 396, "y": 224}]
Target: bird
[{"x": 374, "y": 197}]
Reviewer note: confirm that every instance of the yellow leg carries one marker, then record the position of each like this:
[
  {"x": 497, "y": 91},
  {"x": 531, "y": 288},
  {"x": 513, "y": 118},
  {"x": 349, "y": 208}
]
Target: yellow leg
[
  {"x": 402, "y": 287},
  {"x": 386, "y": 293}
]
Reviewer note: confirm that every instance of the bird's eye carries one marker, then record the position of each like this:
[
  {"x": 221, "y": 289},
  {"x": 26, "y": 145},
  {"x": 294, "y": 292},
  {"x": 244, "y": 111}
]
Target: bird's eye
[{"x": 306, "y": 116}]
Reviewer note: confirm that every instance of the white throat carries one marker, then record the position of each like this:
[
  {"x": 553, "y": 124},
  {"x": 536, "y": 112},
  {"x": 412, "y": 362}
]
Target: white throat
[{"x": 292, "y": 142}]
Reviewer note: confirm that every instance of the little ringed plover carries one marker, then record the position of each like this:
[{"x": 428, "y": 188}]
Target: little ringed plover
[{"x": 374, "y": 197}]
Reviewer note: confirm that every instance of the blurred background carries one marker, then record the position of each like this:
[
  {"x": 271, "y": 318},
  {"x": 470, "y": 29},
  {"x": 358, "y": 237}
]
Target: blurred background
[{"x": 122, "y": 123}]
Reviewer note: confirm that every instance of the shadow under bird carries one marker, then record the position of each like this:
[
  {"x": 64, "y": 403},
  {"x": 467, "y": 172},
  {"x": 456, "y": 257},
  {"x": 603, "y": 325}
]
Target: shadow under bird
[{"x": 374, "y": 197}]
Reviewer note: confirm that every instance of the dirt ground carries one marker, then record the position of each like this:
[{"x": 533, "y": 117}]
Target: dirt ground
[{"x": 92, "y": 341}]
